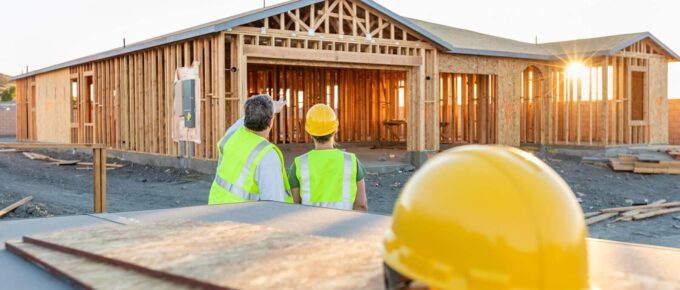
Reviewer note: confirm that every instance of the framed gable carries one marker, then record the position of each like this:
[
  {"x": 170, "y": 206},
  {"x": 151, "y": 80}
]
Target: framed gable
[
  {"x": 337, "y": 19},
  {"x": 646, "y": 46}
]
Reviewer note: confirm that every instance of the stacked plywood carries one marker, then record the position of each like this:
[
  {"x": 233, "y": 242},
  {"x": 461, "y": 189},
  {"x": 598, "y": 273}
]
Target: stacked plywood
[
  {"x": 644, "y": 164},
  {"x": 192, "y": 255}
]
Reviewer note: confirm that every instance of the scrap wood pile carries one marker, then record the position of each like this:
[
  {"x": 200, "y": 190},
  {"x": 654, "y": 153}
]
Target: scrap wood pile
[
  {"x": 662, "y": 159},
  {"x": 195, "y": 255},
  {"x": 60, "y": 162},
  {"x": 630, "y": 213}
]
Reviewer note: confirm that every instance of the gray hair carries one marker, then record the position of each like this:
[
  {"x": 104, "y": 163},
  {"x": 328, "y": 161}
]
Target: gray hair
[{"x": 259, "y": 111}]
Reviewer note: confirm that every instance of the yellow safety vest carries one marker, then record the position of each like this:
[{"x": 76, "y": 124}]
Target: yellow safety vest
[
  {"x": 327, "y": 178},
  {"x": 235, "y": 175}
]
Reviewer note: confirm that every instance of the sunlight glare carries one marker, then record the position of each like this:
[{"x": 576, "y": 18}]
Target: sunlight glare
[{"x": 576, "y": 70}]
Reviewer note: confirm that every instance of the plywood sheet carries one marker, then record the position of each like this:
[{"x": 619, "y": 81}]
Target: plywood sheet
[
  {"x": 658, "y": 100},
  {"x": 87, "y": 273},
  {"x": 227, "y": 255},
  {"x": 53, "y": 112}
]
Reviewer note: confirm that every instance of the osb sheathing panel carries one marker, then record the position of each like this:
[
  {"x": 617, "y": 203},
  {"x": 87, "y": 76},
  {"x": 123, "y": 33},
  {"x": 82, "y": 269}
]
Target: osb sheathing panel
[
  {"x": 468, "y": 64},
  {"x": 509, "y": 72},
  {"x": 52, "y": 106},
  {"x": 225, "y": 255},
  {"x": 658, "y": 100}
]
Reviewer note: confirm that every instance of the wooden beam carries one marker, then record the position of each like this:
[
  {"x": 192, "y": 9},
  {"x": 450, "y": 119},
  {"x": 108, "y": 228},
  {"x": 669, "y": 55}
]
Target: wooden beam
[
  {"x": 324, "y": 17},
  {"x": 15, "y": 205},
  {"x": 330, "y": 56},
  {"x": 604, "y": 114},
  {"x": 99, "y": 164},
  {"x": 298, "y": 22},
  {"x": 303, "y": 63}
]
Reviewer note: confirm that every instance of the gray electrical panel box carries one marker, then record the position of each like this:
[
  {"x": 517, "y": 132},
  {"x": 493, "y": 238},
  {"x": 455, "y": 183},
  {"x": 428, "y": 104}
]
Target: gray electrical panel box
[{"x": 189, "y": 103}]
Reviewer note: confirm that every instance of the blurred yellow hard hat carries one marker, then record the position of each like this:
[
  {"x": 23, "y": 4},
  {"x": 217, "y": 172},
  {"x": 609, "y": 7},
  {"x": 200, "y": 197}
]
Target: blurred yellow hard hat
[
  {"x": 487, "y": 217},
  {"x": 321, "y": 120}
]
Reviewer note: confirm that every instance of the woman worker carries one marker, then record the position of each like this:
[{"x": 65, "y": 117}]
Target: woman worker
[{"x": 326, "y": 176}]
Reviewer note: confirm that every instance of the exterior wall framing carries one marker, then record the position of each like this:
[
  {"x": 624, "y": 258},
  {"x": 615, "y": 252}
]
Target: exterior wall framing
[{"x": 130, "y": 105}]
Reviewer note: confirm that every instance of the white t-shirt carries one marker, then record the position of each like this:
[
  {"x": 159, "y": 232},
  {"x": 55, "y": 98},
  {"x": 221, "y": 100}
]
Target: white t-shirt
[{"x": 268, "y": 173}]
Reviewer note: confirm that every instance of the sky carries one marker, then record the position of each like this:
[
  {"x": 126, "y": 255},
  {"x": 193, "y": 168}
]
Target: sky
[{"x": 40, "y": 33}]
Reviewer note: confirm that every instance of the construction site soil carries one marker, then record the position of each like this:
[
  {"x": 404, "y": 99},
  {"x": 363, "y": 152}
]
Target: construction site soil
[{"x": 67, "y": 190}]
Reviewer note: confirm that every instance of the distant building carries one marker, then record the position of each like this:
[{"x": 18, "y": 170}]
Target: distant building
[
  {"x": 390, "y": 79},
  {"x": 8, "y": 117}
]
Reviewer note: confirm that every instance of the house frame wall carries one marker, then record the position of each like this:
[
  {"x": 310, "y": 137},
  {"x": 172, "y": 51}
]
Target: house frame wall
[
  {"x": 134, "y": 91},
  {"x": 565, "y": 116}
]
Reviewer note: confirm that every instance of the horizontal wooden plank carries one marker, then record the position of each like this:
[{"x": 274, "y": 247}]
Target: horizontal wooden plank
[
  {"x": 86, "y": 273},
  {"x": 627, "y": 208},
  {"x": 599, "y": 218},
  {"x": 656, "y": 213},
  {"x": 15, "y": 205},
  {"x": 620, "y": 165},
  {"x": 302, "y": 63},
  {"x": 330, "y": 56}
]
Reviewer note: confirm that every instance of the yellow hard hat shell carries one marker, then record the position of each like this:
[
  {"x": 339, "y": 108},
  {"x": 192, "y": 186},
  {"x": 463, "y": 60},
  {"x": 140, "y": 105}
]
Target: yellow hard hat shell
[
  {"x": 488, "y": 217},
  {"x": 321, "y": 120}
]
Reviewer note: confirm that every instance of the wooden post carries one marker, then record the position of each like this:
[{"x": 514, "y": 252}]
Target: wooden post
[
  {"x": 605, "y": 102},
  {"x": 99, "y": 164}
]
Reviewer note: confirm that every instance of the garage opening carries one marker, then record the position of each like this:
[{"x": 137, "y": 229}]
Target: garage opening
[
  {"x": 468, "y": 108},
  {"x": 370, "y": 103}
]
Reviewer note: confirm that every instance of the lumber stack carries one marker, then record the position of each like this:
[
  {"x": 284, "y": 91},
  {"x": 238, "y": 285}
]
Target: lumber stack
[
  {"x": 644, "y": 164},
  {"x": 193, "y": 255},
  {"x": 630, "y": 213}
]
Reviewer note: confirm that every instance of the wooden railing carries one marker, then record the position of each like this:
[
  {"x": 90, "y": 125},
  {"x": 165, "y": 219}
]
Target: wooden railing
[{"x": 98, "y": 162}]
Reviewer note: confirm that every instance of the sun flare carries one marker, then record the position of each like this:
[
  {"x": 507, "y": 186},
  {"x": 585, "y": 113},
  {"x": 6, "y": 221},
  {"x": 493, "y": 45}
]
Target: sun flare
[{"x": 576, "y": 70}]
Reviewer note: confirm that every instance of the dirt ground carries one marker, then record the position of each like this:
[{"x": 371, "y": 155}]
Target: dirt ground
[{"x": 65, "y": 190}]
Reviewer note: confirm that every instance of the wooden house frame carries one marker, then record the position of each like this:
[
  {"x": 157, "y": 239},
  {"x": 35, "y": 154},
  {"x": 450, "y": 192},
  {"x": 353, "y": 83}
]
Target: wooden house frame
[{"x": 389, "y": 78}]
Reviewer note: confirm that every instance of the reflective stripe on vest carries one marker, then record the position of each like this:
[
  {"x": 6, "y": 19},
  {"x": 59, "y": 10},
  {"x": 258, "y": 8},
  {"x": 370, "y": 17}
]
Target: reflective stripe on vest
[
  {"x": 237, "y": 188},
  {"x": 305, "y": 184},
  {"x": 221, "y": 145},
  {"x": 226, "y": 185}
]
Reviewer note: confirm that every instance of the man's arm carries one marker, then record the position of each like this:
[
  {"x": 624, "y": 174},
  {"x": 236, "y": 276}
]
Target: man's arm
[
  {"x": 296, "y": 195},
  {"x": 361, "y": 202},
  {"x": 269, "y": 178},
  {"x": 294, "y": 184}
]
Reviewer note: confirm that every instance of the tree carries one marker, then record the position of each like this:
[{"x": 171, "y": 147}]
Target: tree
[{"x": 8, "y": 94}]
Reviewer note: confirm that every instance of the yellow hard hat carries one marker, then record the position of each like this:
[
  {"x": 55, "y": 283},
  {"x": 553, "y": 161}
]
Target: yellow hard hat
[
  {"x": 487, "y": 217},
  {"x": 321, "y": 120}
]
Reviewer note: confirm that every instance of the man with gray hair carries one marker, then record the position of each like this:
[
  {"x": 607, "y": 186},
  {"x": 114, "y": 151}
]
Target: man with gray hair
[{"x": 250, "y": 168}]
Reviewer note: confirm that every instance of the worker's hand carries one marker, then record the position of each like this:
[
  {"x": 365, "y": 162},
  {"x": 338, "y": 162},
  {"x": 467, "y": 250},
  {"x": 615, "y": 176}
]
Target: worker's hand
[{"x": 278, "y": 105}]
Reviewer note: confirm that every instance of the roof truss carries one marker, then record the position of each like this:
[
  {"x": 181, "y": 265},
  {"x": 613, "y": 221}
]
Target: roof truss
[
  {"x": 647, "y": 45},
  {"x": 340, "y": 17}
]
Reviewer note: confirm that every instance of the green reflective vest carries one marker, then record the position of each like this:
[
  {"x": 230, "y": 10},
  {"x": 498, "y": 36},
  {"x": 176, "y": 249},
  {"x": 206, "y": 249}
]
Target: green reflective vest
[
  {"x": 327, "y": 178},
  {"x": 235, "y": 175}
]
